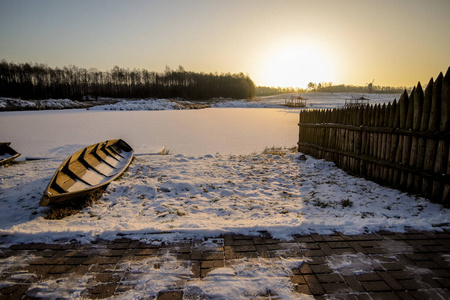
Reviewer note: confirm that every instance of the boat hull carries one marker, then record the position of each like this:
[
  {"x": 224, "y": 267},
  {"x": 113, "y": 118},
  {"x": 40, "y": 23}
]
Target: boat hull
[
  {"x": 7, "y": 153},
  {"x": 87, "y": 171}
]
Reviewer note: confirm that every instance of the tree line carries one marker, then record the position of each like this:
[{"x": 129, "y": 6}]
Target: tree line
[
  {"x": 269, "y": 91},
  {"x": 39, "y": 81},
  {"x": 342, "y": 88}
]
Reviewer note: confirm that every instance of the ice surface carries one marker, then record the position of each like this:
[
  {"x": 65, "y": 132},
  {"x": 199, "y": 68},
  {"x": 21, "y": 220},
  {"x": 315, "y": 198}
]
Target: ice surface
[{"x": 58, "y": 134}]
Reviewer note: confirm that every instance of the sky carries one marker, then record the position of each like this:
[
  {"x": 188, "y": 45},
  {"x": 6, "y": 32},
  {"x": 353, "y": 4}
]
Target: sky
[{"x": 275, "y": 42}]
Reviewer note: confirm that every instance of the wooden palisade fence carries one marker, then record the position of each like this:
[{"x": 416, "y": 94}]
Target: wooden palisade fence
[{"x": 403, "y": 144}]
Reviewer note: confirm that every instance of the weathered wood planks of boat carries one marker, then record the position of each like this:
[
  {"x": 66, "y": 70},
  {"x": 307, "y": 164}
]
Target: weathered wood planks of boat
[
  {"x": 7, "y": 153},
  {"x": 88, "y": 170}
]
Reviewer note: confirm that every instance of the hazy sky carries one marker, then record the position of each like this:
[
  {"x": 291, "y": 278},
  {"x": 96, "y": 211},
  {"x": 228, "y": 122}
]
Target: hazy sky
[{"x": 275, "y": 42}]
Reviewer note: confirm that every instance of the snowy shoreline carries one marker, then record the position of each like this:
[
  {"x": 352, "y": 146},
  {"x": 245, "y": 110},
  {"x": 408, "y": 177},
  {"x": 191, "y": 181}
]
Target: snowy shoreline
[
  {"x": 174, "y": 197},
  {"x": 315, "y": 100}
]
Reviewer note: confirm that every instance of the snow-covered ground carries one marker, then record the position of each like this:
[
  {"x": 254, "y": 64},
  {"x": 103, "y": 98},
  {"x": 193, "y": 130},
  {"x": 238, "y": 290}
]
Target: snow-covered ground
[
  {"x": 18, "y": 104},
  {"x": 143, "y": 104},
  {"x": 192, "y": 194},
  {"x": 314, "y": 100},
  {"x": 195, "y": 196}
]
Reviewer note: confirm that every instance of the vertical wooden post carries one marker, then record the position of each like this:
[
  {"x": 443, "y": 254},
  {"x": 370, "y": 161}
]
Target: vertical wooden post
[
  {"x": 431, "y": 144},
  {"x": 423, "y": 127},
  {"x": 417, "y": 116},
  {"x": 407, "y": 139},
  {"x": 386, "y": 142},
  {"x": 403, "y": 109},
  {"x": 394, "y": 119},
  {"x": 441, "y": 162}
]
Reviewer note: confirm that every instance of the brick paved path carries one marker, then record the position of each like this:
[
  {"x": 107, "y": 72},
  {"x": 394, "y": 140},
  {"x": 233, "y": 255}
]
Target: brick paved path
[{"x": 385, "y": 265}]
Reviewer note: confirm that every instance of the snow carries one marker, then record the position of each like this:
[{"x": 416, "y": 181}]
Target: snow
[
  {"x": 249, "y": 278},
  {"x": 216, "y": 181},
  {"x": 315, "y": 100},
  {"x": 59, "y": 133},
  {"x": 143, "y": 104},
  {"x": 40, "y": 104},
  {"x": 179, "y": 196}
]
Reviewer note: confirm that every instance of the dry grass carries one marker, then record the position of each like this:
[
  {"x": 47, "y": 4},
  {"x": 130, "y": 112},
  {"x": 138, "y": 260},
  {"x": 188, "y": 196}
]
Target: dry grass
[
  {"x": 280, "y": 151},
  {"x": 164, "y": 151},
  {"x": 58, "y": 212}
]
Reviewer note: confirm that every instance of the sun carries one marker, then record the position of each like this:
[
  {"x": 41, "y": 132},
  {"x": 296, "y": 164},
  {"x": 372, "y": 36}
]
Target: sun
[{"x": 296, "y": 65}]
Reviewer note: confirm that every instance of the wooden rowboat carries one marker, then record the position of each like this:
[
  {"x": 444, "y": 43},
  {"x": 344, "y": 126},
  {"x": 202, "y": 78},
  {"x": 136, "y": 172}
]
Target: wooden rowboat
[
  {"x": 88, "y": 170},
  {"x": 7, "y": 153}
]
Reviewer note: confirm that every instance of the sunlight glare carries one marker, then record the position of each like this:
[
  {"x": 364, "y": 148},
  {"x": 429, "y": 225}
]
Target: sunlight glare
[{"x": 297, "y": 65}]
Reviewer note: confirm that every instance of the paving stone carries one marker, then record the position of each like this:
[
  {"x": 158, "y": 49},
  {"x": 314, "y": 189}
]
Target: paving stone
[
  {"x": 311, "y": 246},
  {"x": 196, "y": 269},
  {"x": 331, "y": 288},
  {"x": 405, "y": 295},
  {"x": 345, "y": 237},
  {"x": 259, "y": 240},
  {"x": 208, "y": 264},
  {"x": 298, "y": 279},
  {"x": 245, "y": 248},
  {"x": 104, "y": 290},
  {"x": 332, "y": 238},
  {"x": 320, "y": 269},
  {"x": 213, "y": 256},
  {"x": 368, "y": 277},
  {"x": 384, "y": 296},
  {"x": 314, "y": 285},
  {"x": 427, "y": 264},
  {"x": 401, "y": 274},
  {"x": 229, "y": 252},
  {"x": 431, "y": 281},
  {"x": 329, "y": 278},
  {"x": 145, "y": 252},
  {"x": 243, "y": 242},
  {"x": 338, "y": 245},
  {"x": 410, "y": 284},
  {"x": 313, "y": 253},
  {"x": 196, "y": 254},
  {"x": 270, "y": 247},
  {"x": 326, "y": 249},
  {"x": 170, "y": 295},
  {"x": 392, "y": 273},
  {"x": 441, "y": 272},
  {"x": 302, "y": 289},
  {"x": 240, "y": 255},
  {"x": 303, "y": 239},
  {"x": 305, "y": 269},
  {"x": 375, "y": 286},
  {"x": 105, "y": 260},
  {"x": 357, "y": 247},
  {"x": 341, "y": 251},
  {"x": 354, "y": 284},
  {"x": 445, "y": 282},
  {"x": 317, "y": 238},
  {"x": 262, "y": 251},
  {"x": 76, "y": 260},
  {"x": 391, "y": 281},
  {"x": 204, "y": 272},
  {"x": 430, "y": 295}
]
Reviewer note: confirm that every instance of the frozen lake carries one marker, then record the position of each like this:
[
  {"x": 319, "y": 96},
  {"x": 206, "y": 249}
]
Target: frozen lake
[{"x": 59, "y": 133}]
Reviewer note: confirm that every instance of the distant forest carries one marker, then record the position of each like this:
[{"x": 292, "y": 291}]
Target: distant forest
[
  {"x": 39, "y": 81},
  {"x": 328, "y": 87},
  {"x": 269, "y": 91},
  {"x": 342, "y": 88}
]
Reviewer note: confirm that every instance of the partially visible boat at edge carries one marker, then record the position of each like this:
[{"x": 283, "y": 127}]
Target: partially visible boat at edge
[
  {"x": 7, "y": 153},
  {"x": 88, "y": 170}
]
